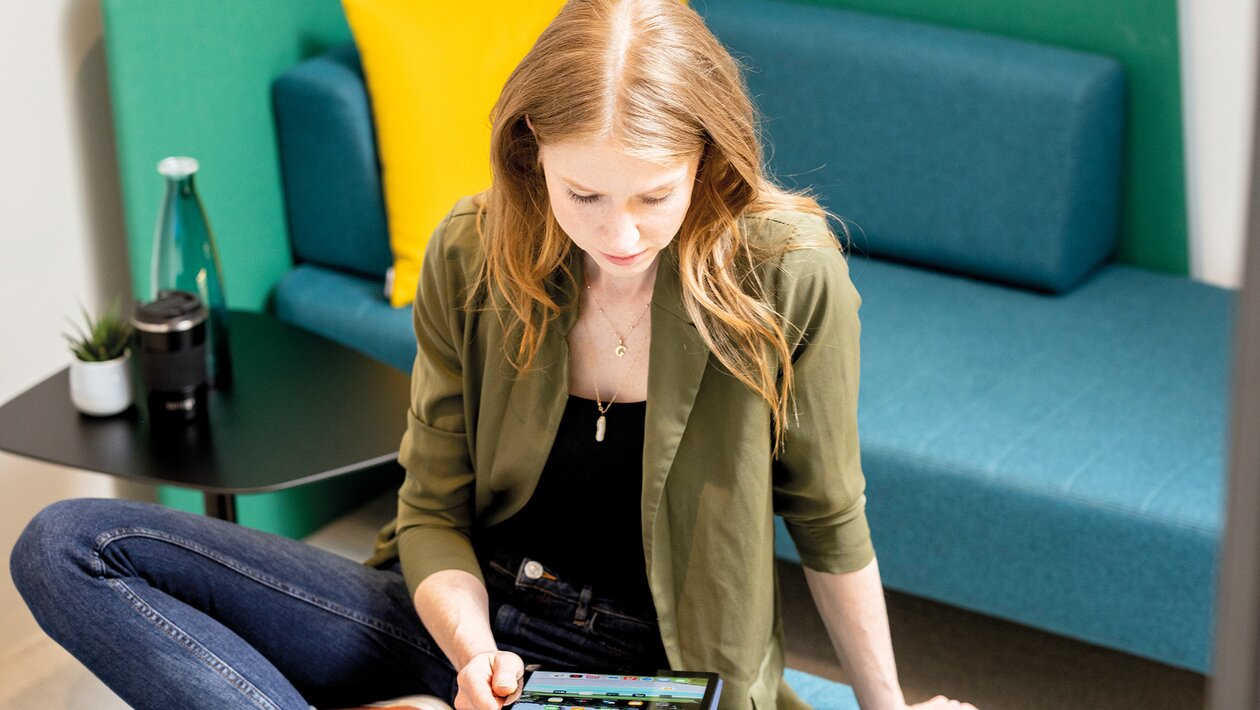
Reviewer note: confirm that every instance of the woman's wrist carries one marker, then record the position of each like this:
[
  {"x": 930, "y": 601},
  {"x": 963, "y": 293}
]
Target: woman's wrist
[
  {"x": 880, "y": 698},
  {"x": 468, "y": 649},
  {"x": 454, "y": 606}
]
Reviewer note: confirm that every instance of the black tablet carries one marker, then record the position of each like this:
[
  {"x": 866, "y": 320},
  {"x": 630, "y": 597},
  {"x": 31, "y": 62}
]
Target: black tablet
[{"x": 547, "y": 689}]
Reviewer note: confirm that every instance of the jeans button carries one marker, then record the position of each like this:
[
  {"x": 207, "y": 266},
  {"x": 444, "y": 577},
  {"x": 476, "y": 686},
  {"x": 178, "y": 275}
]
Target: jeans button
[{"x": 533, "y": 569}]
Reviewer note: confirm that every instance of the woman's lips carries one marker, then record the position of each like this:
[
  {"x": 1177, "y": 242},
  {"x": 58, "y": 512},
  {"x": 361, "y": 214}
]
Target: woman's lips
[{"x": 623, "y": 260}]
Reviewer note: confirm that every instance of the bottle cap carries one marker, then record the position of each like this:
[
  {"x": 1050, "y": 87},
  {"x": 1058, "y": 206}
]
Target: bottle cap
[{"x": 177, "y": 166}]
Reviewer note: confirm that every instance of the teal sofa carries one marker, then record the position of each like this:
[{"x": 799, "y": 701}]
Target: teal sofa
[{"x": 1043, "y": 429}]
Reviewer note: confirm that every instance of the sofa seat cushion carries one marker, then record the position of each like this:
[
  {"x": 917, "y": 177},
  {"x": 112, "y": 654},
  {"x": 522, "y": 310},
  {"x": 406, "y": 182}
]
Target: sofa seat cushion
[
  {"x": 1054, "y": 459},
  {"x": 349, "y": 309},
  {"x": 820, "y": 693}
]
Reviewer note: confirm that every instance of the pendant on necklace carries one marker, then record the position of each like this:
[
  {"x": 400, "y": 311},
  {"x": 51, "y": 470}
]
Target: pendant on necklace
[
  {"x": 621, "y": 348},
  {"x": 600, "y": 425}
]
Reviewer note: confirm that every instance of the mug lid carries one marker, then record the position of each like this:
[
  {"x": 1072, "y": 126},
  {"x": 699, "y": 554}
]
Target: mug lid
[{"x": 171, "y": 312}]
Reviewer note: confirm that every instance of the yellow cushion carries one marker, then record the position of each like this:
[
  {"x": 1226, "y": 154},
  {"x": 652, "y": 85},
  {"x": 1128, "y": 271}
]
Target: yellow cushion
[{"x": 434, "y": 71}]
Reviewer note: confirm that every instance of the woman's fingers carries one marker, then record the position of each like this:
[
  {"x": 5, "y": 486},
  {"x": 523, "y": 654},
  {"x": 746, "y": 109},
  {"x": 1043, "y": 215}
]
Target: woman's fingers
[
  {"x": 474, "y": 685},
  {"x": 489, "y": 681},
  {"x": 941, "y": 702},
  {"x": 509, "y": 671}
]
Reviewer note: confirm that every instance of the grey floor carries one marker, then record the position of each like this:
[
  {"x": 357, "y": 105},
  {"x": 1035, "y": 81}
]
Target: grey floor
[{"x": 993, "y": 664}]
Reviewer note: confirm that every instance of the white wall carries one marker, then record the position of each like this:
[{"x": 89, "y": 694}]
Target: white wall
[
  {"x": 61, "y": 239},
  {"x": 1218, "y": 63}
]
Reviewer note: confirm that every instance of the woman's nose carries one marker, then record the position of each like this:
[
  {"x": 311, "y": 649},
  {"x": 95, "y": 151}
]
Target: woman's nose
[{"x": 623, "y": 237}]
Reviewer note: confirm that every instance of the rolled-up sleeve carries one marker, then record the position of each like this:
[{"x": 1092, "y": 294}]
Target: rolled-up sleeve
[
  {"x": 435, "y": 501},
  {"x": 819, "y": 487}
]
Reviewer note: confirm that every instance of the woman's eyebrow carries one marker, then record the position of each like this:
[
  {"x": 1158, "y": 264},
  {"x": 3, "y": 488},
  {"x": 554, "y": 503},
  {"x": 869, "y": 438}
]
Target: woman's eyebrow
[{"x": 573, "y": 184}]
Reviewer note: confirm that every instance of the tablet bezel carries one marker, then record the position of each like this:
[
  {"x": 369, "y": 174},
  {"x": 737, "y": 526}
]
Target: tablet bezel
[{"x": 711, "y": 686}]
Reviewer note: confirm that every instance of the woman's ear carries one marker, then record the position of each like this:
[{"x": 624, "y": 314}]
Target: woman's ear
[{"x": 530, "y": 125}]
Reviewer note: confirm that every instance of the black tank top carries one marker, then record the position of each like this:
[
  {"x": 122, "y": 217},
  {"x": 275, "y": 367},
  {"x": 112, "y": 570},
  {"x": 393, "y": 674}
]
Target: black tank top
[{"x": 583, "y": 519}]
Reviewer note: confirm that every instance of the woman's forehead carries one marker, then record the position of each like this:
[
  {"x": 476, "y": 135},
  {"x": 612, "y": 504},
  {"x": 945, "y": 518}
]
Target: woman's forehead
[{"x": 605, "y": 167}]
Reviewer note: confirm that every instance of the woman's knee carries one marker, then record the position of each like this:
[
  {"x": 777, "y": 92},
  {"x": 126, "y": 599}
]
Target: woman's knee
[{"x": 57, "y": 542}]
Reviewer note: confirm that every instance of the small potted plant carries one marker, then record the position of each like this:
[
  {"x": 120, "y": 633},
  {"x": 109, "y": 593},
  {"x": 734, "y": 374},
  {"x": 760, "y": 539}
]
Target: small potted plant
[{"x": 100, "y": 374}]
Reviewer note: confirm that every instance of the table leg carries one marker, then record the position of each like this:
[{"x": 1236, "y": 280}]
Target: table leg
[{"x": 221, "y": 506}]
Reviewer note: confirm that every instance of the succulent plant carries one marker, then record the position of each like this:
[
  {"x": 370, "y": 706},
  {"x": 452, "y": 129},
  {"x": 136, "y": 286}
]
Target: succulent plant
[{"x": 106, "y": 338}]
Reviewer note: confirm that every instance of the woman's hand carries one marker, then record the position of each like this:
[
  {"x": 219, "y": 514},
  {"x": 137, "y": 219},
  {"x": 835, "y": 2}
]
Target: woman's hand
[
  {"x": 941, "y": 702},
  {"x": 489, "y": 681}
]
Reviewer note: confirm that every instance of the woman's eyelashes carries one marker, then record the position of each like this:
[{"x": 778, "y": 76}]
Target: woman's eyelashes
[{"x": 588, "y": 199}]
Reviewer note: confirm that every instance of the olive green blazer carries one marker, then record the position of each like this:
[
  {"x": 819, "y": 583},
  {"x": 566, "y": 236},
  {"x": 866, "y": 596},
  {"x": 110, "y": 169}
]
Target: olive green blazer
[{"x": 478, "y": 436}]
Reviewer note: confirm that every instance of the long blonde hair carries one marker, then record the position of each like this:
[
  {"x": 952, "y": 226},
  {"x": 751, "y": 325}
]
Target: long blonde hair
[{"x": 649, "y": 76}]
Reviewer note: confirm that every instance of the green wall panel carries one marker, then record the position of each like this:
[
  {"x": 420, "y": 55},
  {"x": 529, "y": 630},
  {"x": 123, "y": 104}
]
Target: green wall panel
[
  {"x": 189, "y": 77},
  {"x": 1142, "y": 35}
]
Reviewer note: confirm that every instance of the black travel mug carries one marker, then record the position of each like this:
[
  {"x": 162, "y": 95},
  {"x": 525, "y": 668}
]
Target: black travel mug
[{"x": 171, "y": 339}]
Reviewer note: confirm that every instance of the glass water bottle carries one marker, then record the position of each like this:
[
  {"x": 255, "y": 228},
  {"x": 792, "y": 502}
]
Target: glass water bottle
[{"x": 185, "y": 258}]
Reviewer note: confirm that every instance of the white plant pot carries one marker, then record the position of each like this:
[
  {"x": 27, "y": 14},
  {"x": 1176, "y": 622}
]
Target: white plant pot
[{"x": 101, "y": 388}]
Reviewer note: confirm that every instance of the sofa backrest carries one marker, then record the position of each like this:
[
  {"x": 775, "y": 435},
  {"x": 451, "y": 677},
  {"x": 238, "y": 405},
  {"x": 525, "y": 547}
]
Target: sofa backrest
[
  {"x": 953, "y": 149},
  {"x": 331, "y": 173}
]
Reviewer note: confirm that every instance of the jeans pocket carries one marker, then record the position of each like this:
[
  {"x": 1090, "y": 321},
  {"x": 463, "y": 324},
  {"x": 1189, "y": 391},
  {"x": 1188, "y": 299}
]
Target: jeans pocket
[
  {"x": 543, "y": 614},
  {"x": 561, "y": 643}
]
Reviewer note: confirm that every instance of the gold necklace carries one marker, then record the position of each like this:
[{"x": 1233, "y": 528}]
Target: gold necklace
[
  {"x": 620, "y": 350},
  {"x": 601, "y": 424}
]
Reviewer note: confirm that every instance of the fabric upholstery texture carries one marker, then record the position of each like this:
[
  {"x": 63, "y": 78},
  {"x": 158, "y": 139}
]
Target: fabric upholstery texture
[
  {"x": 1056, "y": 460},
  {"x": 332, "y": 179},
  {"x": 953, "y": 149},
  {"x": 434, "y": 70},
  {"x": 349, "y": 309},
  {"x": 822, "y": 694}
]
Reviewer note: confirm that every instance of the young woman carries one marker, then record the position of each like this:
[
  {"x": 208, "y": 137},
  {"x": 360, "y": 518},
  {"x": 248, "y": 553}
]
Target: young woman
[{"x": 633, "y": 351}]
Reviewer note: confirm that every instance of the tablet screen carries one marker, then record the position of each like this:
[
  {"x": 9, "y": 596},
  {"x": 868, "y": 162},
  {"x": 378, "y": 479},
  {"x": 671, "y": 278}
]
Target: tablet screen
[{"x": 562, "y": 690}]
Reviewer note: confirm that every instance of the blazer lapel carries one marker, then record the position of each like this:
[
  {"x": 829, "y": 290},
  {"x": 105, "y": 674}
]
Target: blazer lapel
[
  {"x": 536, "y": 402},
  {"x": 676, "y": 365}
]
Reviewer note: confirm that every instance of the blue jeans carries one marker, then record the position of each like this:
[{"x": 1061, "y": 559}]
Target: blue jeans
[{"x": 171, "y": 609}]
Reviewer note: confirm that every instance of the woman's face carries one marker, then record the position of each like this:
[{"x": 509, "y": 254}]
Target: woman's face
[{"x": 618, "y": 209}]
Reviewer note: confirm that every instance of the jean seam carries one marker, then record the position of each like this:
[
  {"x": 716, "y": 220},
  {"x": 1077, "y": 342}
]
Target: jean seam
[
  {"x": 105, "y": 539},
  {"x": 190, "y": 644}
]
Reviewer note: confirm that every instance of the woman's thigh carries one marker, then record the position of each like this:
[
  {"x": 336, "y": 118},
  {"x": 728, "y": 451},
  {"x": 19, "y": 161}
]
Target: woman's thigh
[{"x": 116, "y": 580}]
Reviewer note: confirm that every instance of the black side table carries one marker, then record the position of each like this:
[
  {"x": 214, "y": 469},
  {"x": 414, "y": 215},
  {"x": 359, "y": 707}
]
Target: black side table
[{"x": 302, "y": 408}]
